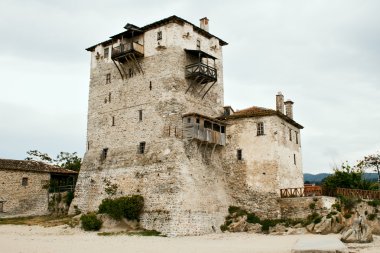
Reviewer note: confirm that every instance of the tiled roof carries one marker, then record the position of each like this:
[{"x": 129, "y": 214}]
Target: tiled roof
[
  {"x": 24, "y": 165},
  {"x": 256, "y": 111}
]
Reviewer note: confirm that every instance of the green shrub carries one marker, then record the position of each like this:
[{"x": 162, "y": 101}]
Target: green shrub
[
  {"x": 333, "y": 212},
  {"x": 252, "y": 218},
  {"x": 347, "y": 215},
  {"x": 233, "y": 209},
  {"x": 312, "y": 206},
  {"x": 348, "y": 203},
  {"x": 374, "y": 203},
  {"x": 223, "y": 227},
  {"x": 329, "y": 216},
  {"x": 317, "y": 220},
  {"x": 372, "y": 216},
  {"x": 129, "y": 207},
  {"x": 90, "y": 222}
]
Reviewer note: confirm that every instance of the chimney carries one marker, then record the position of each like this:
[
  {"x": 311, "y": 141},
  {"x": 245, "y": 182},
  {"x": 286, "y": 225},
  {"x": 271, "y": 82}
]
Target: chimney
[
  {"x": 280, "y": 102},
  {"x": 289, "y": 108},
  {"x": 204, "y": 24}
]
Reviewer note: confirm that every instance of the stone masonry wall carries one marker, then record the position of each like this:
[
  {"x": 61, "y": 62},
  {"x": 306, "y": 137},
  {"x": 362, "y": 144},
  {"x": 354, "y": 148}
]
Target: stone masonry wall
[{"x": 31, "y": 199}]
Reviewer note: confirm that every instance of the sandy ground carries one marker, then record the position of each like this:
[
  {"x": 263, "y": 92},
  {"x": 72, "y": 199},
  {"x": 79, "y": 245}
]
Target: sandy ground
[{"x": 35, "y": 239}]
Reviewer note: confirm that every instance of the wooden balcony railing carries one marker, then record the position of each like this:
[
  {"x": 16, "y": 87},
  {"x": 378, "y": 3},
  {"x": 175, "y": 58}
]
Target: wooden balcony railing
[
  {"x": 201, "y": 71},
  {"x": 125, "y": 48},
  {"x": 356, "y": 193}
]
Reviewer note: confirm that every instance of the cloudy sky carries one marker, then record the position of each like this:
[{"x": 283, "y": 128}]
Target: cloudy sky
[{"x": 324, "y": 55}]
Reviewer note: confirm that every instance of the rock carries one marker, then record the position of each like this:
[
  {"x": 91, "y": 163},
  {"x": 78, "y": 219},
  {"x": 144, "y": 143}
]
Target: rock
[
  {"x": 279, "y": 229},
  {"x": 239, "y": 224},
  {"x": 298, "y": 225},
  {"x": 111, "y": 225},
  {"x": 297, "y": 231},
  {"x": 337, "y": 223},
  {"x": 323, "y": 227},
  {"x": 254, "y": 228},
  {"x": 310, "y": 227},
  {"x": 359, "y": 232}
]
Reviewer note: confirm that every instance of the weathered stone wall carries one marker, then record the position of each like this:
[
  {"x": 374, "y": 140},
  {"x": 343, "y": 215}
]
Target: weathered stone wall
[
  {"x": 31, "y": 199},
  {"x": 299, "y": 208}
]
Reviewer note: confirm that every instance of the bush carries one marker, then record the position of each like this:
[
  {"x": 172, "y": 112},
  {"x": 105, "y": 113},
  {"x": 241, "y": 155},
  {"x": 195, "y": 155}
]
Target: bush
[
  {"x": 233, "y": 209},
  {"x": 129, "y": 207},
  {"x": 317, "y": 220},
  {"x": 374, "y": 203},
  {"x": 223, "y": 227},
  {"x": 347, "y": 215},
  {"x": 372, "y": 216},
  {"x": 312, "y": 206},
  {"x": 69, "y": 197},
  {"x": 252, "y": 218},
  {"x": 348, "y": 203},
  {"x": 90, "y": 222},
  {"x": 337, "y": 207},
  {"x": 333, "y": 212}
]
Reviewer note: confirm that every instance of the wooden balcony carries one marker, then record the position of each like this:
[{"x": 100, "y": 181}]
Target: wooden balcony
[
  {"x": 201, "y": 72},
  {"x": 194, "y": 131},
  {"x": 120, "y": 52}
]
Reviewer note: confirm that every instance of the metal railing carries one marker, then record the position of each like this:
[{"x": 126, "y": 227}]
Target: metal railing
[
  {"x": 127, "y": 47},
  {"x": 200, "y": 68}
]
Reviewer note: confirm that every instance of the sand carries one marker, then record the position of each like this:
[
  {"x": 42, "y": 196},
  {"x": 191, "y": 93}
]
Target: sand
[{"x": 35, "y": 239}]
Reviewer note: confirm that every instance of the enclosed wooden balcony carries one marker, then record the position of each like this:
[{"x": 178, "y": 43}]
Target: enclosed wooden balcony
[
  {"x": 202, "y": 72},
  {"x": 124, "y": 50},
  {"x": 204, "y": 129}
]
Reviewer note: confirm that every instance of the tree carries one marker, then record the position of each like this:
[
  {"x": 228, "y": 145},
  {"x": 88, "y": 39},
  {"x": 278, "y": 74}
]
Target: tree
[
  {"x": 70, "y": 161},
  {"x": 371, "y": 162},
  {"x": 346, "y": 177}
]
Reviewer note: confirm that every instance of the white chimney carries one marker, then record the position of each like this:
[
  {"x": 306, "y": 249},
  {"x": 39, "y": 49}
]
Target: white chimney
[
  {"x": 204, "y": 24},
  {"x": 280, "y": 102},
  {"x": 289, "y": 108}
]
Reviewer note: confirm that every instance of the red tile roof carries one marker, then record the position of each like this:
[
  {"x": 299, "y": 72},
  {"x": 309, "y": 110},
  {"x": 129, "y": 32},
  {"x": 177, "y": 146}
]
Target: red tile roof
[
  {"x": 25, "y": 165},
  {"x": 256, "y": 111}
]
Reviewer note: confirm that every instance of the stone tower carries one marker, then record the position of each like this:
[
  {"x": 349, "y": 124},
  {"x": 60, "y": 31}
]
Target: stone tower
[{"x": 146, "y": 84}]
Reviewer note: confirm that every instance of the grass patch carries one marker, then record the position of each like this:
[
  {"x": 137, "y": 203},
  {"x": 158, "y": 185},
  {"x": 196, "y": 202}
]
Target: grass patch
[
  {"x": 372, "y": 216},
  {"x": 44, "y": 221},
  {"x": 374, "y": 203}
]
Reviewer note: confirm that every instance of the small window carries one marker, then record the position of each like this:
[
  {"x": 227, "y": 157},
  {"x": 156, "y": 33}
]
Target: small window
[
  {"x": 104, "y": 153},
  {"x": 197, "y": 120},
  {"x": 208, "y": 124},
  {"x": 106, "y": 52},
  {"x": 296, "y": 138},
  {"x": 294, "y": 158},
  {"x": 108, "y": 78},
  {"x": 140, "y": 115},
  {"x": 188, "y": 120},
  {"x": 142, "y": 147},
  {"x": 24, "y": 181},
  {"x": 130, "y": 72},
  {"x": 260, "y": 128},
  {"x": 198, "y": 44},
  {"x": 239, "y": 154},
  {"x": 159, "y": 35},
  {"x": 290, "y": 134},
  {"x": 150, "y": 85},
  {"x": 222, "y": 129},
  {"x": 113, "y": 120},
  {"x": 1, "y": 207},
  {"x": 88, "y": 145},
  {"x": 109, "y": 97}
]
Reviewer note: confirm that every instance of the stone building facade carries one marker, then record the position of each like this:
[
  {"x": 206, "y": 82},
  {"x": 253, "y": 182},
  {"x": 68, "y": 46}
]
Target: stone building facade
[
  {"x": 157, "y": 126},
  {"x": 24, "y": 186}
]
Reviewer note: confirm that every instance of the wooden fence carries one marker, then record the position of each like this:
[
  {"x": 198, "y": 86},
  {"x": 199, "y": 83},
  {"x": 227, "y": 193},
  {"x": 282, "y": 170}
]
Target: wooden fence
[
  {"x": 306, "y": 191},
  {"x": 356, "y": 193}
]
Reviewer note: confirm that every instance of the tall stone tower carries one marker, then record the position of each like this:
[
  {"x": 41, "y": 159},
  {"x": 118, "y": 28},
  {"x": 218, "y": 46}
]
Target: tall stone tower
[{"x": 150, "y": 88}]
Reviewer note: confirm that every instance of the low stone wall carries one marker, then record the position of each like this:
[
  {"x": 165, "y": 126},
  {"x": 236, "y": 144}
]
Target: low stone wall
[{"x": 299, "y": 208}]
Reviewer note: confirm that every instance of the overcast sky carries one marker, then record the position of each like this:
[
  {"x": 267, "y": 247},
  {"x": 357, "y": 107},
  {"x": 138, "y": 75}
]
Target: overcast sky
[{"x": 324, "y": 55}]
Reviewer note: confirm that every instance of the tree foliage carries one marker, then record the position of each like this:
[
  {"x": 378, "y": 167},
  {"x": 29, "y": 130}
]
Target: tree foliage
[
  {"x": 346, "y": 177},
  {"x": 70, "y": 161},
  {"x": 371, "y": 162}
]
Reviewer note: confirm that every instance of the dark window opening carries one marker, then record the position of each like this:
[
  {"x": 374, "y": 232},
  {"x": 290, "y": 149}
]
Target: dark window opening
[
  {"x": 106, "y": 52},
  {"x": 290, "y": 134},
  {"x": 294, "y": 158},
  {"x": 1, "y": 207},
  {"x": 216, "y": 127},
  {"x": 142, "y": 147},
  {"x": 239, "y": 154},
  {"x": 113, "y": 120},
  {"x": 296, "y": 138},
  {"x": 198, "y": 44},
  {"x": 222, "y": 129},
  {"x": 188, "y": 120},
  {"x": 130, "y": 72},
  {"x": 109, "y": 97},
  {"x": 150, "y": 85},
  {"x": 197, "y": 120},
  {"x": 104, "y": 153},
  {"x": 208, "y": 124},
  {"x": 260, "y": 128},
  {"x": 88, "y": 145},
  {"x": 159, "y": 35},
  {"x": 140, "y": 115},
  {"x": 108, "y": 78},
  {"x": 24, "y": 181}
]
